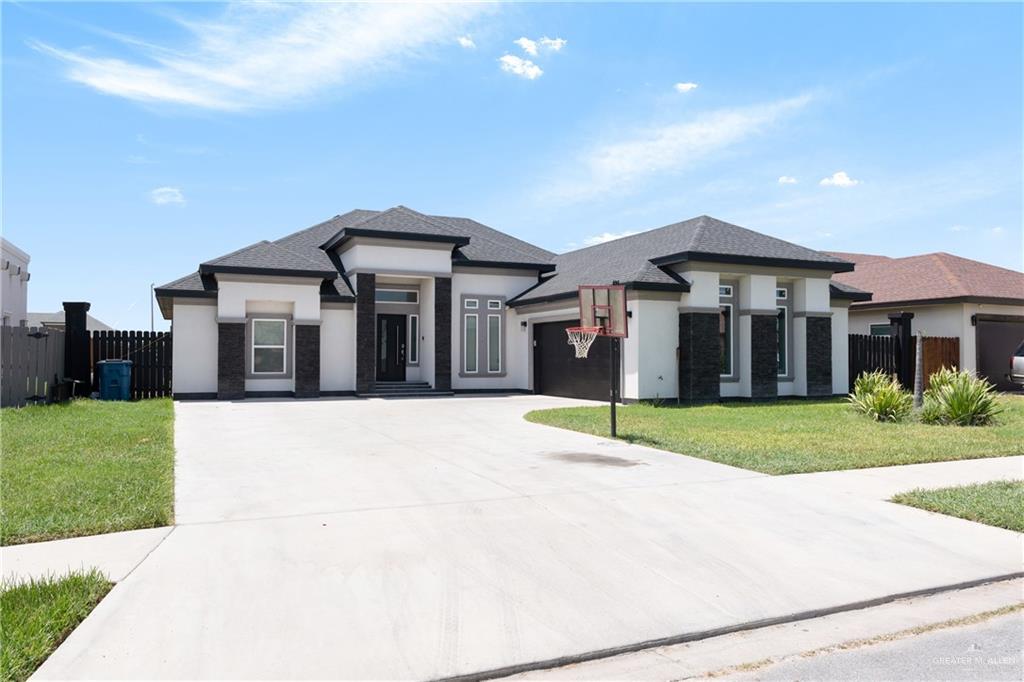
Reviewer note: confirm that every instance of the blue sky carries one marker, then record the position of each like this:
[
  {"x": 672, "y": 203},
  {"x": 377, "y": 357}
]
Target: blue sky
[{"x": 141, "y": 139}]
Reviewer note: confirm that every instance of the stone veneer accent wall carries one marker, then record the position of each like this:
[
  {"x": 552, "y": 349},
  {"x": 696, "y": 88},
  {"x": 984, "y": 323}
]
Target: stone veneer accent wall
[
  {"x": 764, "y": 357},
  {"x": 366, "y": 331},
  {"x": 230, "y": 360},
  {"x": 699, "y": 357},
  {"x": 442, "y": 333},
  {"x": 307, "y": 361},
  {"x": 819, "y": 356}
]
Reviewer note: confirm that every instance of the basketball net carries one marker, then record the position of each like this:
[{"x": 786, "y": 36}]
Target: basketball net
[{"x": 581, "y": 338}]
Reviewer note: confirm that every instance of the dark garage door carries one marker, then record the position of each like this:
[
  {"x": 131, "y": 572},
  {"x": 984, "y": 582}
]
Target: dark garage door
[
  {"x": 557, "y": 371},
  {"x": 997, "y": 339}
]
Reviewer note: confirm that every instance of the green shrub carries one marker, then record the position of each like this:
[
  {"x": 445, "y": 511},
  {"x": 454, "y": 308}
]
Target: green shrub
[
  {"x": 881, "y": 397},
  {"x": 959, "y": 398}
]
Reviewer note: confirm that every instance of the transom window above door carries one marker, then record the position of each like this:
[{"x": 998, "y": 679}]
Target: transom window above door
[{"x": 397, "y": 296}]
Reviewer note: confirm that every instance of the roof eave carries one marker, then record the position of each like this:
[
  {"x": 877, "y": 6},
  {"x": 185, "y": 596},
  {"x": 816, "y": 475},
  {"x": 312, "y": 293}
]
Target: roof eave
[
  {"x": 685, "y": 256},
  {"x": 349, "y": 232},
  {"x": 681, "y": 287},
  {"x": 513, "y": 265},
  {"x": 989, "y": 300},
  {"x": 207, "y": 269}
]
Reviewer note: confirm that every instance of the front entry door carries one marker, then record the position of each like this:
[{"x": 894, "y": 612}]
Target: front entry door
[{"x": 391, "y": 348}]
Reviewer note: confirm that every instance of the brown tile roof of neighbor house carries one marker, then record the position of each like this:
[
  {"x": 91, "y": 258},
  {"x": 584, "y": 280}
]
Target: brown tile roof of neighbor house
[{"x": 931, "y": 277}]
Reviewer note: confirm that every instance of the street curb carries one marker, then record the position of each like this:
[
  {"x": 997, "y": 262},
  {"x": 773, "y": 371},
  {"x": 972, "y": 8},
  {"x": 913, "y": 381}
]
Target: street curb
[{"x": 597, "y": 654}]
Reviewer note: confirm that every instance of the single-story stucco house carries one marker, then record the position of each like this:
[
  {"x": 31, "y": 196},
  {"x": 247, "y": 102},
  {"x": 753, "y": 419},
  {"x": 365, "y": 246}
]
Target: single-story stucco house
[
  {"x": 951, "y": 296},
  {"x": 374, "y": 302}
]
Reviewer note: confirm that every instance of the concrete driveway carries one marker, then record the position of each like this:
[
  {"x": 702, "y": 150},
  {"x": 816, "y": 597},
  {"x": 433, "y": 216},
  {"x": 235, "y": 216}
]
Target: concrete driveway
[{"x": 439, "y": 537}]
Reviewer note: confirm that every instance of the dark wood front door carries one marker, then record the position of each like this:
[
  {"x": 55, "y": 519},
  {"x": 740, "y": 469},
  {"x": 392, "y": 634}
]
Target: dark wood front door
[{"x": 391, "y": 348}]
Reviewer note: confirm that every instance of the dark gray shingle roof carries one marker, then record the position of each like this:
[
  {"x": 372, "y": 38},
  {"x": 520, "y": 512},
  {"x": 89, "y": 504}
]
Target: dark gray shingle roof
[
  {"x": 629, "y": 259},
  {"x": 267, "y": 256}
]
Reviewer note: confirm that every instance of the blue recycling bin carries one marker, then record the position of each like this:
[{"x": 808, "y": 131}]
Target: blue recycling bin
[{"x": 115, "y": 379}]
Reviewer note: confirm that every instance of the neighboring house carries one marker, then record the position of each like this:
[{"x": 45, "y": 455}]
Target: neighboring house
[
  {"x": 14, "y": 278},
  {"x": 369, "y": 298},
  {"x": 981, "y": 304},
  {"x": 56, "y": 321}
]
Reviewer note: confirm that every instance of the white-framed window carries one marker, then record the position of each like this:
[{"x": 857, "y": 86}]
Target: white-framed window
[
  {"x": 494, "y": 343},
  {"x": 882, "y": 329},
  {"x": 783, "y": 340},
  {"x": 469, "y": 343},
  {"x": 472, "y": 303},
  {"x": 397, "y": 296},
  {"x": 414, "y": 339},
  {"x": 781, "y": 294},
  {"x": 269, "y": 346},
  {"x": 725, "y": 290},
  {"x": 494, "y": 305},
  {"x": 725, "y": 331}
]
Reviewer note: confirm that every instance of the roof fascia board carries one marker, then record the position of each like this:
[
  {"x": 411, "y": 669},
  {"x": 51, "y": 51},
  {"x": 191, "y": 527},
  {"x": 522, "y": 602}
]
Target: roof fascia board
[
  {"x": 505, "y": 265},
  {"x": 981, "y": 300},
  {"x": 266, "y": 272},
  {"x": 731, "y": 259},
  {"x": 349, "y": 232}
]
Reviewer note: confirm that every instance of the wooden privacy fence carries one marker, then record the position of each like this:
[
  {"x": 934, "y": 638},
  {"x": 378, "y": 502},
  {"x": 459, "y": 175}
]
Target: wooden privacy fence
[
  {"x": 150, "y": 353},
  {"x": 869, "y": 353},
  {"x": 32, "y": 365}
]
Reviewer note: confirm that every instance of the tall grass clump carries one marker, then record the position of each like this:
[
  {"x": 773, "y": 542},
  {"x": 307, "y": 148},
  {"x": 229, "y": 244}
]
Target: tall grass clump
[
  {"x": 881, "y": 397},
  {"x": 959, "y": 398}
]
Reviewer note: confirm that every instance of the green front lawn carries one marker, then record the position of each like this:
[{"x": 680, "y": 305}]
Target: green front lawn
[
  {"x": 85, "y": 467},
  {"x": 36, "y": 616},
  {"x": 999, "y": 503},
  {"x": 795, "y": 436}
]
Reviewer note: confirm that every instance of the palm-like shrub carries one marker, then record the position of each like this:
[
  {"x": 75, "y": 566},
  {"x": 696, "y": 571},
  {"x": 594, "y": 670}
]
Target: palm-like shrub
[
  {"x": 881, "y": 397},
  {"x": 959, "y": 398}
]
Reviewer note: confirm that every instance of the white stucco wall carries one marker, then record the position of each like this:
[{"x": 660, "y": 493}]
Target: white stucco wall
[
  {"x": 14, "y": 279},
  {"x": 951, "y": 319},
  {"x": 653, "y": 340},
  {"x": 235, "y": 295},
  {"x": 194, "y": 351},
  {"x": 337, "y": 349},
  {"x": 840, "y": 350},
  {"x": 517, "y": 341},
  {"x": 419, "y": 259}
]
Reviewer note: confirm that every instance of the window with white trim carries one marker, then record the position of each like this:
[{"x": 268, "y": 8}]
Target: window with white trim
[
  {"x": 472, "y": 303},
  {"x": 781, "y": 294},
  {"x": 494, "y": 343},
  {"x": 725, "y": 290},
  {"x": 725, "y": 338},
  {"x": 414, "y": 339},
  {"x": 269, "y": 346},
  {"x": 493, "y": 305},
  {"x": 883, "y": 329},
  {"x": 781, "y": 326},
  {"x": 397, "y": 296},
  {"x": 469, "y": 343}
]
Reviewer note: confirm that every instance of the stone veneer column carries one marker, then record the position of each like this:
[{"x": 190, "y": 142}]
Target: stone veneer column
[
  {"x": 442, "y": 333},
  {"x": 366, "y": 331},
  {"x": 764, "y": 356},
  {"x": 699, "y": 357},
  {"x": 307, "y": 361},
  {"x": 819, "y": 355},
  {"x": 230, "y": 360}
]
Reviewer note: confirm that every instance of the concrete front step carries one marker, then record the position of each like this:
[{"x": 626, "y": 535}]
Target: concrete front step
[{"x": 405, "y": 394}]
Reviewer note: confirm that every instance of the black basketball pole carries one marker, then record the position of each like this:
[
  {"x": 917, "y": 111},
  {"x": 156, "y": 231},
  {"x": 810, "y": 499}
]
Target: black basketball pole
[{"x": 614, "y": 361}]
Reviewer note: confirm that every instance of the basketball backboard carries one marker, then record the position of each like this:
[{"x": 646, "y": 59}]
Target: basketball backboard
[{"x": 604, "y": 306}]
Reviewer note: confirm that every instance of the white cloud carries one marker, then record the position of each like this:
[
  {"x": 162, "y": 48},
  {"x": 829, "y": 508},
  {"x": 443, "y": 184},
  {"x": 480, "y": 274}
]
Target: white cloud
[
  {"x": 622, "y": 162},
  {"x": 466, "y": 42},
  {"x": 520, "y": 67},
  {"x": 787, "y": 180},
  {"x": 262, "y": 55},
  {"x": 997, "y": 231},
  {"x": 606, "y": 237},
  {"x": 167, "y": 195},
  {"x": 839, "y": 179},
  {"x": 957, "y": 228},
  {"x": 528, "y": 46},
  {"x": 685, "y": 87},
  {"x": 553, "y": 44}
]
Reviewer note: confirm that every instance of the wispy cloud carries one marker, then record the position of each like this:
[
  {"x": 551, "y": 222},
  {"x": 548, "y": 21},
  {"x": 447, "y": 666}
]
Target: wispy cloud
[
  {"x": 466, "y": 42},
  {"x": 622, "y": 162},
  {"x": 528, "y": 46},
  {"x": 166, "y": 195},
  {"x": 523, "y": 68},
  {"x": 684, "y": 87},
  {"x": 533, "y": 47},
  {"x": 606, "y": 237},
  {"x": 787, "y": 180},
  {"x": 553, "y": 44},
  {"x": 839, "y": 179},
  {"x": 263, "y": 55}
]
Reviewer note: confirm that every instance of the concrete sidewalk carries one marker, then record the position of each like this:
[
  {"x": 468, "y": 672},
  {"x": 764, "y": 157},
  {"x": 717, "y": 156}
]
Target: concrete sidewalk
[
  {"x": 433, "y": 538},
  {"x": 113, "y": 554}
]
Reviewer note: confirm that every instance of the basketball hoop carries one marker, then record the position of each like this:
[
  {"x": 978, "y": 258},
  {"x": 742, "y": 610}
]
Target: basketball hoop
[{"x": 581, "y": 338}]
